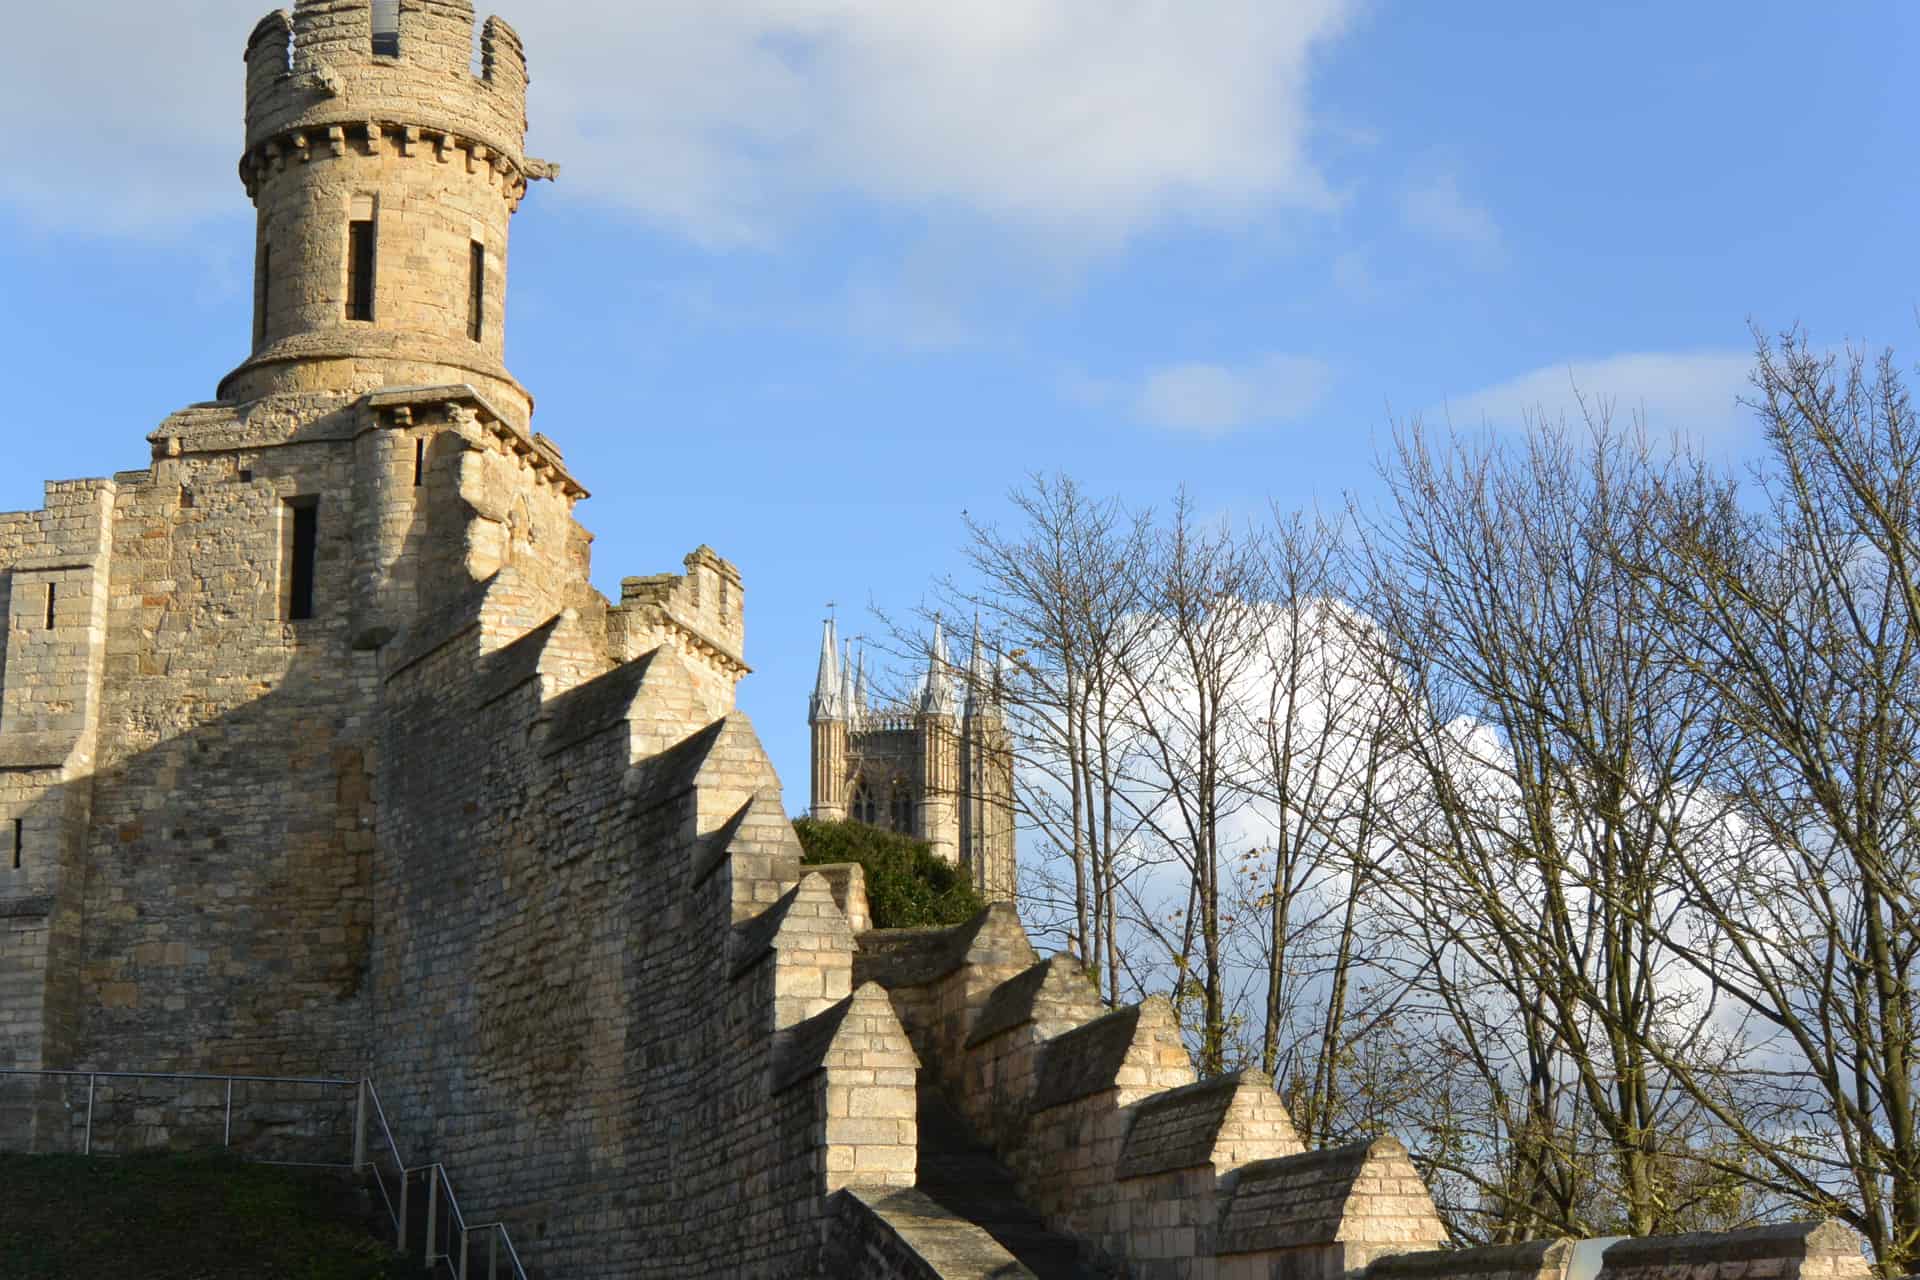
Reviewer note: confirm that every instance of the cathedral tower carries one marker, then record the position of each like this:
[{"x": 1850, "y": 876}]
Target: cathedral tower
[
  {"x": 938, "y": 768},
  {"x": 385, "y": 160}
]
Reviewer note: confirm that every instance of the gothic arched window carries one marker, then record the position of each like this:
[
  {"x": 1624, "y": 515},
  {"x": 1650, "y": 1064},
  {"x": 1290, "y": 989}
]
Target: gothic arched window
[
  {"x": 902, "y": 806},
  {"x": 862, "y": 806}
]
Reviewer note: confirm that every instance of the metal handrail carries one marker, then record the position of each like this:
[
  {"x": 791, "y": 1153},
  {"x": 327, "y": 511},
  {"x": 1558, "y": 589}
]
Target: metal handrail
[
  {"x": 177, "y": 1075},
  {"x": 367, "y": 1107},
  {"x": 93, "y": 1079},
  {"x": 458, "y": 1227}
]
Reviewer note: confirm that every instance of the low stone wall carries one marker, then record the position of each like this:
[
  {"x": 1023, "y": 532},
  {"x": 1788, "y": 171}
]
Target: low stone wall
[
  {"x": 1792, "y": 1251},
  {"x": 883, "y": 1234},
  {"x": 1534, "y": 1260}
]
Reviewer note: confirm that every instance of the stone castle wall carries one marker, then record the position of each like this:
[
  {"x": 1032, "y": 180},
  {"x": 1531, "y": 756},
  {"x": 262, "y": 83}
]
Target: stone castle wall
[{"x": 507, "y": 848}]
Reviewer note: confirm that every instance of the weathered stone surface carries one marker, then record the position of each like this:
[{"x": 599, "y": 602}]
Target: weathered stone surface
[
  {"x": 1790, "y": 1250},
  {"x": 1533, "y": 1260},
  {"x": 321, "y": 756}
]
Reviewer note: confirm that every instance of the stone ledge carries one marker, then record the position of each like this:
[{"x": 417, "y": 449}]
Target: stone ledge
[
  {"x": 534, "y": 445},
  {"x": 54, "y": 564},
  {"x": 36, "y": 750}
]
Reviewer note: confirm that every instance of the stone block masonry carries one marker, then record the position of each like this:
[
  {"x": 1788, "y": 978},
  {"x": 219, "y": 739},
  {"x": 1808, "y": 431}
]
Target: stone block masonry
[{"x": 321, "y": 756}]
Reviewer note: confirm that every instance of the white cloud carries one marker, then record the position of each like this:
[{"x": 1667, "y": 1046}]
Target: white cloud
[
  {"x": 1214, "y": 399},
  {"x": 1438, "y": 209},
  {"x": 1696, "y": 393},
  {"x": 1086, "y": 120}
]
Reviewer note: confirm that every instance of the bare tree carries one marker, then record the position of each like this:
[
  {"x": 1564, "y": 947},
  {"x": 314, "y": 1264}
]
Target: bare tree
[
  {"x": 1060, "y": 598},
  {"x": 1800, "y": 616},
  {"x": 1184, "y": 684},
  {"x": 1555, "y": 744}
]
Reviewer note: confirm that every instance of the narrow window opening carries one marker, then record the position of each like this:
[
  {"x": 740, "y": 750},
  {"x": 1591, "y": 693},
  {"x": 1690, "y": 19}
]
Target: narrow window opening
[
  {"x": 186, "y": 497},
  {"x": 419, "y": 462},
  {"x": 863, "y": 806},
  {"x": 302, "y": 554},
  {"x": 477, "y": 291},
  {"x": 262, "y": 293},
  {"x": 360, "y": 269},
  {"x": 19, "y": 842},
  {"x": 386, "y": 28},
  {"x": 903, "y": 811},
  {"x": 53, "y": 595}
]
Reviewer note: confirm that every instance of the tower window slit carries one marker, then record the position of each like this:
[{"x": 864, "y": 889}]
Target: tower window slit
[
  {"x": 477, "y": 291},
  {"x": 386, "y": 28},
  {"x": 303, "y": 552},
  {"x": 360, "y": 269},
  {"x": 19, "y": 842},
  {"x": 419, "y": 462},
  {"x": 53, "y": 596}
]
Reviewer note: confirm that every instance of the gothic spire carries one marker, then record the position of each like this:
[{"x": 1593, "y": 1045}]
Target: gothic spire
[
  {"x": 860, "y": 685},
  {"x": 977, "y": 693},
  {"x": 938, "y": 699},
  {"x": 829, "y": 686}
]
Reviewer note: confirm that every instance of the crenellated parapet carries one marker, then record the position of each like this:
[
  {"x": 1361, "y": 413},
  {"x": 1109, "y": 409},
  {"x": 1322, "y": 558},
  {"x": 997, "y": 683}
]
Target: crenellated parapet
[
  {"x": 700, "y": 613},
  {"x": 323, "y": 66}
]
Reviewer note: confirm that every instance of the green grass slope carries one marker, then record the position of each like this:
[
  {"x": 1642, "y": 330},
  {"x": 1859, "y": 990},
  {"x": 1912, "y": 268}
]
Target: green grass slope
[{"x": 185, "y": 1218}]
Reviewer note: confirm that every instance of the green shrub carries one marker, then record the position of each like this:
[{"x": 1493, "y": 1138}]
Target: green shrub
[{"x": 907, "y": 886}]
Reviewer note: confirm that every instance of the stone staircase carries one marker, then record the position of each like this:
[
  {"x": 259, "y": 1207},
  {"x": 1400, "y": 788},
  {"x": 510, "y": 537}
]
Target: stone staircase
[{"x": 961, "y": 1175}]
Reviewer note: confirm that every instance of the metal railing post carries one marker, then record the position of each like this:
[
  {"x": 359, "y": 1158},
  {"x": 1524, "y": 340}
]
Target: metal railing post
[
  {"x": 359, "y": 1126},
  {"x": 367, "y": 1111},
  {"x": 433, "y": 1210}
]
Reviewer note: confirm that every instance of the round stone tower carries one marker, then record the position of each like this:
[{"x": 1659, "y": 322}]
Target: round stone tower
[{"x": 386, "y": 157}]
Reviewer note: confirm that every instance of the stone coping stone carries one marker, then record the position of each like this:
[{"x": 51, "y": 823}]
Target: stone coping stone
[
  {"x": 1785, "y": 1240},
  {"x": 512, "y": 666},
  {"x": 676, "y": 771},
  {"x": 715, "y": 846},
  {"x": 1084, "y": 1061},
  {"x": 1529, "y": 1257},
  {"x": 1010, "y": 1004},
  {"x": 753, "y": 939},
  {"x": 1179, "y": 1128},
  {"x": 1294, "y": 1201},
  {"x": 807, "y": 1046},
  {"x": 427, "y": 635},
  {"x": 916, "y": 957},
  {"x": 596, "y": 706}
]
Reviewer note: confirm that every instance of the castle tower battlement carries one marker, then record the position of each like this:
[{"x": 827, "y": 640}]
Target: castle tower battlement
[{"x": 385, "y": 154}]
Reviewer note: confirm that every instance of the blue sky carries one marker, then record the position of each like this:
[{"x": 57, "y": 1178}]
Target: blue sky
[{"x": 819, "y": 275}]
